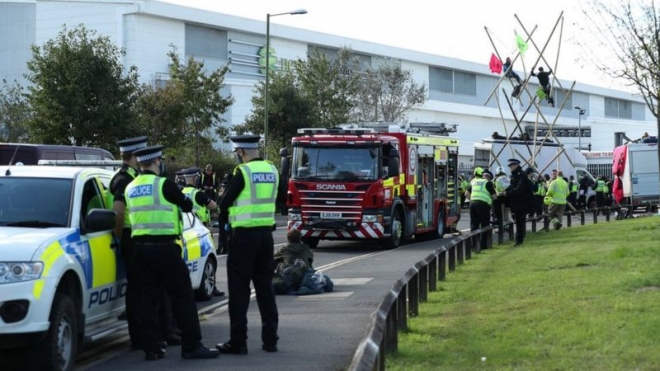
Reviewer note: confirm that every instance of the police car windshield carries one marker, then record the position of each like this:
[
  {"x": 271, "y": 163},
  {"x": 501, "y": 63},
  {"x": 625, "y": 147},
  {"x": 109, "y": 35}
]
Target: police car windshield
[
  {"x": 35, "y": 202},
  {"x": 335, "y": 163}
]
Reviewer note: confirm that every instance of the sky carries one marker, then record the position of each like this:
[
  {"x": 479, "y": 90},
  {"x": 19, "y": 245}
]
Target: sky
[{"x": 448, "y": 28}]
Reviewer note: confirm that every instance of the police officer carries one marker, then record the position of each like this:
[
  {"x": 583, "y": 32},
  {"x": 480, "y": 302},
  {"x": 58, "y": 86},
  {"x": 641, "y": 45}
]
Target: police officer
[
  {"x": 558, "y": 194},
  {"x": 600, "y": 188},
  {"x": 249, "y": 202},
  {"x": 501, "y": 205},
  {"x": 201, "y": 203},
  {"x": 128, "y": 171},
  {"x": 481, "y": 193},
  {"x": 521, "y": 198},
  {"x": 154, "y": 207}
]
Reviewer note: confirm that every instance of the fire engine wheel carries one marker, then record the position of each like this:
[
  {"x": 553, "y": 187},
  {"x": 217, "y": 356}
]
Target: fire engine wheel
[
  {"x": 440, "y": 230},
  {"x": 311, "y": 242},
  {"x": 397, "y": 231}
]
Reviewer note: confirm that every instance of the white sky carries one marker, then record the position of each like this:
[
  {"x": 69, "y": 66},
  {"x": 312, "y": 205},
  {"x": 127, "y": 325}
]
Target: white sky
[{"x": 448, "y": 28}]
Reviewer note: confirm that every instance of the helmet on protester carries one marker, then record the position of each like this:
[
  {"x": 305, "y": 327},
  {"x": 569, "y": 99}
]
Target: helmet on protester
[
  {"x": 547, "y": 200},
  {"x": 478, "y": 171}
]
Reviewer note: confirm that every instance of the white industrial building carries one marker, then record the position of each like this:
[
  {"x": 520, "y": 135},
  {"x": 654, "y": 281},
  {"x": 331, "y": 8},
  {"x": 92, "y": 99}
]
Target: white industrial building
[{"x": 458, "y": 89}]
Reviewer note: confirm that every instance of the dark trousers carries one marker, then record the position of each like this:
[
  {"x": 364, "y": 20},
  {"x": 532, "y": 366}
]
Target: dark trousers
[
  {"x": 132, "y": 286},
  {"x": 582, "y": 201},
  {"x": 480, "y": 217},
  {"x": 521, "y": 226},
  {"x": 538, "y": 205},
  {"x": 497, "y": 212},
  {"x": 572, "y": 199},
  {"x": 161, "y": 266},
  {"x": 223, "y": 236},
  {"x": 250, "y": 258},
  {"x": 600, "y": 199}
]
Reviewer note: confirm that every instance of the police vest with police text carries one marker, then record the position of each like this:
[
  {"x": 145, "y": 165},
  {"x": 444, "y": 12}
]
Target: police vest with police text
[
  {"x": 479, "y": 192},
  {"x": 255, "y": 205},
  {"x": 150, "y": 213}
]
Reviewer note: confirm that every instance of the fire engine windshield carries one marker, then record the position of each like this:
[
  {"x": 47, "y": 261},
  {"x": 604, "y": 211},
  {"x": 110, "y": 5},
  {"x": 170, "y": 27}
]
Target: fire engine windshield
[{"x": 335, "y": 163}]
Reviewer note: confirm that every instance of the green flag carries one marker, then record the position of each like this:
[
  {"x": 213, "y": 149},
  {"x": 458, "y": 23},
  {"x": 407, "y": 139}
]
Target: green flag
[{"x": 522, "y": 44}]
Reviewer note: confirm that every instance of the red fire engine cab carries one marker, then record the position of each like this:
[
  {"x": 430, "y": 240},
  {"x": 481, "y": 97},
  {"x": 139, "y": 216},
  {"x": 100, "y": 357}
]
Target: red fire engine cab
[{"x": 385, "y": 182}]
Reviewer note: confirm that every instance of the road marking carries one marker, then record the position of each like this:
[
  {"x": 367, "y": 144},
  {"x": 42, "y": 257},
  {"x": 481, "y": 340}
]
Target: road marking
[
  {"x": 326, "y": 296},
  {"x": 351, "y": 281}
]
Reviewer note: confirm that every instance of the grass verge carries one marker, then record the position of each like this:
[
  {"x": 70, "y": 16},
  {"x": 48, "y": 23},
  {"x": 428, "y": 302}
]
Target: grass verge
[{"x": 582, "y": 298}]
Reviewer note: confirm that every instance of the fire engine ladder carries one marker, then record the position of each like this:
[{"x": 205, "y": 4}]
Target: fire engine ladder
[{"x": 437, "y": 128}]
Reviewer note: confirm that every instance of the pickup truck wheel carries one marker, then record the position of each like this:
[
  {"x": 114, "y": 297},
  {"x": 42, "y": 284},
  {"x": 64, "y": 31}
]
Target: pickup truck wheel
[
  {"x": 57, "y": 351},
  {"x": 206, "y": 287},
  {"x": 311, "y": 242}
]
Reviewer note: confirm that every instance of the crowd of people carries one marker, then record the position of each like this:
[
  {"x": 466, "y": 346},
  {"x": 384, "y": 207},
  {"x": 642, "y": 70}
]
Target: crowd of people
[
  {"x": 496, "y": 200},
  {"x": 160, "y": 306}
]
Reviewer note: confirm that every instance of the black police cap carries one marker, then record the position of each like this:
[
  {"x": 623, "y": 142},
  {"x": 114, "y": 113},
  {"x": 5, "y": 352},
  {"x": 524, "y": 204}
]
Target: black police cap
[
  {"x": 131, "y": 145},
  {"x": 513, "y": 161},
  {"x": 148, "y": 153},
  {"x": 245, "y": 141},
  {"x": 189, "y": 172}
]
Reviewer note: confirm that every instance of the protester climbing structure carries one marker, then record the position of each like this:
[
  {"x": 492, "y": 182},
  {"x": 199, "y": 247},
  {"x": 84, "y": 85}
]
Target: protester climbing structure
[{"x": 529, "y": 94}]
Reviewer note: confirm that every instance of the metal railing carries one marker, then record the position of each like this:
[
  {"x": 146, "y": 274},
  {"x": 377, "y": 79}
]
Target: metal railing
[{"x": 402, "y": 301}]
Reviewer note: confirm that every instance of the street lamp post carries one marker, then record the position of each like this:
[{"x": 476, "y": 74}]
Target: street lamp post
[
  {"x": 581, "y": 112},
  {"x": 267, "y": 65}
]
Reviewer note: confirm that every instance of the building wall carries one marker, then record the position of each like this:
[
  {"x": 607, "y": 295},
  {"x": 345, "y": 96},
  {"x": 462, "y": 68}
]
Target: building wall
[
  {"x": 17, "y": 34},
  {"x": 148, "y": 30}
]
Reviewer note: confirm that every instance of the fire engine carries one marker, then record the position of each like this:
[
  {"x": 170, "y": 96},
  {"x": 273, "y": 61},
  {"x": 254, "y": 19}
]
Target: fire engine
[{"x": 384, "y": 182}]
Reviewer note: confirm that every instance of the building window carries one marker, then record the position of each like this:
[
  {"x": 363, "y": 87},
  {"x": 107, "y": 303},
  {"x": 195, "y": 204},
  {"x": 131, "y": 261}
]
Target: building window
[
  {"x": 450, "y": 81},
  {"x": 206, "y": 42},
  {"x": 618, "y": 108}
]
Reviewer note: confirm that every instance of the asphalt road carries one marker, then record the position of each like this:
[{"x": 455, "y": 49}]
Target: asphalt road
[{"x": 318, "y": 332}]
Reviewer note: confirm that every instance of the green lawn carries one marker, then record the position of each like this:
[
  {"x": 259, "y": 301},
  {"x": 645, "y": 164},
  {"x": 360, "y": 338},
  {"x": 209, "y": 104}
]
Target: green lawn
[{"x": 582, "y": 298}]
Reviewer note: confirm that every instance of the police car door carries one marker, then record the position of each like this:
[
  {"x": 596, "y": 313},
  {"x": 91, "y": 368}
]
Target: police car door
[{"x": 105, "y": 283}]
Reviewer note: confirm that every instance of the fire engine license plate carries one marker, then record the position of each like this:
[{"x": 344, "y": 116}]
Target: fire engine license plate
[{"x": 331, "y": 215}]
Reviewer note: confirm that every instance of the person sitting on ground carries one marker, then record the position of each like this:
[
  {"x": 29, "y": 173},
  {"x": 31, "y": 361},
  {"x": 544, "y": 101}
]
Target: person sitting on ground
[{"x": 294, "y": 273}]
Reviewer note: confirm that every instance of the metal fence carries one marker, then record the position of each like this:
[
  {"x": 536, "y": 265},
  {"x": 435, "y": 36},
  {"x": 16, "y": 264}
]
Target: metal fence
[{"x": 402, "y": 301}]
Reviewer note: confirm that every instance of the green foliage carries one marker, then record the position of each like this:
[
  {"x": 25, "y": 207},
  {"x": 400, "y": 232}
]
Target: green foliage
[
  {"x": 187, "y": 111},
  {"x": 80, "y": 94},
  {"x": 288, "y": 110},
  {"x": 329, "y": 85},
  {"x": 15, "y": 111},
  {"x": 386, "y": 93},
  {"x": 185, "y": 157},
  {"x": 583, "y": 298}
]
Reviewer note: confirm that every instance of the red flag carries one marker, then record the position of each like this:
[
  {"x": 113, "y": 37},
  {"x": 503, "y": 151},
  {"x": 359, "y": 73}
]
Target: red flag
[{"x": 495, "y": 64}]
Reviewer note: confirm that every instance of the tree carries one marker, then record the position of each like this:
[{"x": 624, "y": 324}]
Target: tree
[
  {"x": 386, "y": 93},
  {"x": 632, "y": 34},
  {"x": 330, "y": 85},
  {"x": 288, "y": 110},
  {"x": 80, "y": 93},
  {"x": 161, "y": 116},
  {"x": 201, "y": 101},
  {"x": 14, "y": 113}
]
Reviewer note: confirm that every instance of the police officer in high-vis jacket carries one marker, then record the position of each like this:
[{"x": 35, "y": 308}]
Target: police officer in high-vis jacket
[
  {"x": 154, "y": 206},
  {"x": 250, "y": 202},
  {"x": 129, "y": 170},
  {"x": 201, "y": 202}
]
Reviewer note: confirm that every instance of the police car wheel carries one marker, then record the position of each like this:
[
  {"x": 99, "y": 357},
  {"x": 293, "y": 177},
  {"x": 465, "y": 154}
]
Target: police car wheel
[
  {"x": 57, "y": 351},
  {"x": 207, "y": 285}
]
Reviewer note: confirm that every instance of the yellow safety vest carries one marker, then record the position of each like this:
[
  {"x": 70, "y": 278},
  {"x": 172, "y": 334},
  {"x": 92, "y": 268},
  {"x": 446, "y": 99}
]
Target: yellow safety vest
[
  {"x": 150, "y": 213},
  {"x": 558, "y": 190},
  {"x": 600, "y": 187},
  {"x": 479, "y": 192},
  {"x": 255, "y": 205},
  {"x": 201, "y": 211}
]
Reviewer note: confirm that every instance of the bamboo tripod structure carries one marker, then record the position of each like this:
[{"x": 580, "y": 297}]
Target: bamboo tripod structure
[{"x": 532, "y": 152}]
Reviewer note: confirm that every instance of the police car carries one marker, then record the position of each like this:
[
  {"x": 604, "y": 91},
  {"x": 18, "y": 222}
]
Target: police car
[{"x": 62, "y": 280}]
